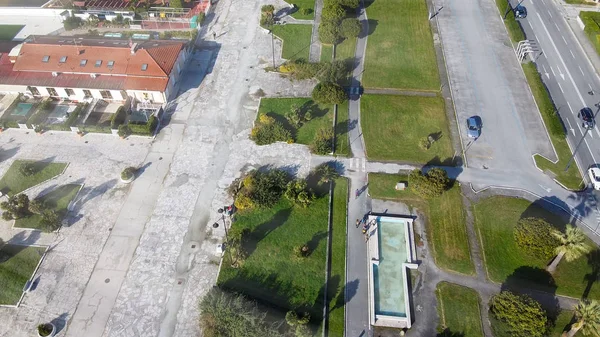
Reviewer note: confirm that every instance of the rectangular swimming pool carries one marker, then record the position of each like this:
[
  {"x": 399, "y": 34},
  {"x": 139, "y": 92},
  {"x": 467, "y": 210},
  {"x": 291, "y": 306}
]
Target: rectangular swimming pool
[{"x": 21, "y": 109}]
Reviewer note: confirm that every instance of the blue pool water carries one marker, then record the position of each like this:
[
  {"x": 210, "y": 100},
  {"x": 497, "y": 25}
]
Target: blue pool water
[
  {"x": 21, "y": 109},
  {"x": 388, "y": 279}
]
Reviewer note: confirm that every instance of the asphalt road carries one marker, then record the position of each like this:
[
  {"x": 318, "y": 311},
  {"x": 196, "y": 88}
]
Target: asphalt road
[{"x": 567, "y": 73}]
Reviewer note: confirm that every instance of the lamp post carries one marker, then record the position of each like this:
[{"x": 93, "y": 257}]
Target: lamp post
[{"x": 222, "y": 212}]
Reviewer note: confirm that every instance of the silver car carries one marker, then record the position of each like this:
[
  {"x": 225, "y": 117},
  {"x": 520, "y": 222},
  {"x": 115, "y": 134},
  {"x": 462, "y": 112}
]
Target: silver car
[{"x": 474, "y": 127}]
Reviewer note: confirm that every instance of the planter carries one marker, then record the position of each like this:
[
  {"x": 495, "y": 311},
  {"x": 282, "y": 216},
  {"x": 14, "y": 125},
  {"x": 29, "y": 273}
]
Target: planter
[
  {"x": 46, "y": 330},
  {"x": 127, "y": 181},
  {"x": 128, "y": 175}
]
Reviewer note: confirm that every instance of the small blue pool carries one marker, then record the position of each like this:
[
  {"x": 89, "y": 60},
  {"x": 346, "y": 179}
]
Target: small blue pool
[{"x": 22, "y": 109}]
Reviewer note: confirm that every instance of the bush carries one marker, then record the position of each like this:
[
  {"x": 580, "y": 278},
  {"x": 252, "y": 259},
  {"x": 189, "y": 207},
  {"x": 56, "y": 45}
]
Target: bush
[
  {"x": 523, "y": 315},
  {"x": 146, "y": 129},
  {"x": 200, "y": 19},
  {"x": 329, "y": 93},
  {"x": 74, "y": 115},
  {"x": 349, "y": 3},
  {"x": 128, "y": 173},
  {"x": 333, "y": 13},
  {"x": 37, "y": 206},
  {"x": 72, "y": 22},
  {"x": 51, "y": 220},
  {"x": 44, "y": 329},
  {"x": 329, "y": 32},
  {"x": 16, "y": 207},
  {"x": 350, "y": 27},
  {"x": 118, "y": 117},
  {"x": 176, "y": 3},
  {"x": 429, "y": 185},
  {"x": 124, "y": 131},
  {"x": 27, "y": 169},
  {"x": 267, "y": 9},
  {"x": 301, "y": 251},
  {"x": 301, "y": 69},
  {"x": 306, "y": 11},
  {"x": 297, "y": 192},
  {"x": 335, "y": 71},
  {"x": 534, "y": 236},
  {"x": 293, "y": 319},
  {"x": 323, "y": 142},
  {"x": 261, "y": 189},
  {"x": 268, "y": 131},
  {"x": 227, "y": 314}
]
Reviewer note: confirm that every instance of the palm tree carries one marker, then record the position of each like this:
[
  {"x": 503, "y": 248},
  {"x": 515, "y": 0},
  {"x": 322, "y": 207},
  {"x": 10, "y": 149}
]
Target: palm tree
[
  {"x": 587, "y": 314},
  {"x": 572, "y": 246},
  {"x": 326, "y": 172}
]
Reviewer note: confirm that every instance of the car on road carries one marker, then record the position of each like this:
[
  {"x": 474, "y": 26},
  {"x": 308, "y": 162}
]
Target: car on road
[
  {"x": 587, "y": 118},
  {"x": 594, "y": 174},
  {"x": 520, "y": 12},
  {"x": 474, "y": 127}
]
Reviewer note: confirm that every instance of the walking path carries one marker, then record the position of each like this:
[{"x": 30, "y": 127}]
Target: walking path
[{"x": 315, "y": 44}]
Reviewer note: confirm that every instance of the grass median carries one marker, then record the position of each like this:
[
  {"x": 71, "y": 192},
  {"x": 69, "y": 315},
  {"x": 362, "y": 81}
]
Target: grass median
[
  {"x": 17, "y": 180},
  {"x": 394, "y": 127},
  {"x": 458, "y": 308},
  {"x": 296, "y": 40},
  {"x": 337, "y": 279},
  {"x": 444, "y": 220},
  {"x": 495, "y": 220},
  {"x": 17, "y": 264}
]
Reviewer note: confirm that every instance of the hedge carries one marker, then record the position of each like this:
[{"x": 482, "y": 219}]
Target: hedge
[
  {"x": 592, "y": 27},
  {"x": 118, "y": 117},
  {"x": 73, "y": 116},
  {"x": 94, "y": 129},
  {"x": 144, "y": 129}
]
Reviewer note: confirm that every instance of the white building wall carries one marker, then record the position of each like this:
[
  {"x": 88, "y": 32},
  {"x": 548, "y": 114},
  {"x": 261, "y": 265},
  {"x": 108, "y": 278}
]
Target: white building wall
[
  {"x": 43, "y": 91},
  {"x": 13, "y": 89},
  {"x": 61, "y": 92},
  {"x": 116, "y": 95},
  {"x": 96, "y": 93},
  {"x": 79, "y": 94}
]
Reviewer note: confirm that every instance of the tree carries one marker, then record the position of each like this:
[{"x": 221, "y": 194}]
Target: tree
[
  {"x": 175, "y": 4},
  {"x": 36, "y": 206},
  {"x": 587, "y": 314},
  {"x": 535, "y": 237},
  {"x": 349, "y": 3},
  {"x": 329, "y": 93},
  {"x": 334, "y": 71},
  {"x": 326, "y": 172},
  {"x": 72, "y": 22},
  {"x": 350, "y": 27},
  {"x": 429, "y": 185},
  {"x": 523, "y": 315},
  {"x": 264, "y": 188},
  {"x": 297, "y": 192},
  {"x": 333, "y": 12},
  {"x": 17, "y": 206},
  {"x": 323, "y": 142},
  {"x": 228, "y": 314},
  {"x": 572, "y": 245},
  {"x": 267, "y": 131},
  {"x": 329, "y": 32},
  {"x": 50, "y": 220}
]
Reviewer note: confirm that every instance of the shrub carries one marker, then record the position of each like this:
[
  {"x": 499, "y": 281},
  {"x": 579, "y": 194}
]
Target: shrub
[
  {"x": 37, "y": 206},
  {"x": 334, "y": 71},
  {"x": 293, "y": 319},
  {"x": 301, "y": 69},
  {"x": 50, "y": 220},
  {"x": 27, "y": 169},
  {"x": 329, "y": 32},
  {"x": 523, "y": 315},
  {"x": 301, "y": 251},
  {"x": 267, "y": 187},
  {"x": 146, "y": 129},
  {"x": 128, "y": 173},
  {"x": 349, "y": 3},
  {"x": 350, "y": 27},
  {"x": 268, "y": 131},
  {"x": 17, "y": 206},
  {"x": 74, "y": 115},
  {"x": 118, "y": 117},
  {"x": 242, "y": 201},
  {"x": 424, "y": 143},
  {"x": 333, "y": 13},
  {"x": 72, "y": 22},
  {"x": 329, "y": 93},
  {"x": 39, "y": 128},
  {"x": 175, "y": 3},
  {"x": 200, "y": 19},
  {"x": 44, "y": 329},
  {"x": 323, "y": 142},
  {"x": 429, "y": 185},
  {"x": 124, "y": 131},
  {"x": 326, "y": 172},
  {"x": 297, "y": 192},
  {"x": 267, "y": 9},
  {"x": 534, "y": 236},
  {"x": 227, "y": 314},
  {"x": 306, "y": 11}
]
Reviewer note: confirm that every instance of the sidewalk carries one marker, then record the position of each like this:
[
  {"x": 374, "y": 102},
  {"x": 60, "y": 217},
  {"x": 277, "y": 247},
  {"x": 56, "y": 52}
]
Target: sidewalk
[{"x": 315, "y": 45}]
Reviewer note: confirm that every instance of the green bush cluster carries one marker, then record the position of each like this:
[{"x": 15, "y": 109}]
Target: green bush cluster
[
  {"x": 535, "y": 237},
  {"x": 332, "y": 29},
  {"x": 298, "y": 192},
  {"x": 323, "y": 142},
  {"x": 261, "y": 188},
  {"x": 118, "y": 117},
  {"x": 267, "y": 15},
  {"x": 334, "y": 71},
  {"x": 74, "y": 115},
  {"x": 329, "y": 93},
  {"x": 267, "y": 131},
  {"x": 429, "y": 185},
  {"x": 72, "y": 22},
  {"x": 17, "y": 206},
  {"x": 522, "y": 314},
  {"x": 146, "y": 129}
]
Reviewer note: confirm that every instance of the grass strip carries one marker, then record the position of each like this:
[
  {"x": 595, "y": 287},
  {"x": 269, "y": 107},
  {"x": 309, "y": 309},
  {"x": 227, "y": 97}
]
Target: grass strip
[
  {"x": 14, "y": 182},
  {"x": 458, "y": 308},
  {"x": 296, "y": 40},
  {"x": 17, "y": 264}
]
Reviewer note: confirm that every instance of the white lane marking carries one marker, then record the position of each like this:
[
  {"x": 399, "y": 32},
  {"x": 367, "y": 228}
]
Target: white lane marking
[
  {"x": 549, "y": 13},
  {"x": 551, "y": 69},
  {"x": 559, "y": 87},
  {"x": 573, "y": 112},
  {"x": 564, "y": 40},
  {"x": 561, "y": 59},
  {"x": 557, "y": 26},
  {"x": 589, "y": 85},
  {"x": 597, "y": 131},
  {"x": 544, "y": 67},
  {"x": 582, "y": 73},
  {"x": 572, "y": 53},
  {"x": 570, "y": 127}
]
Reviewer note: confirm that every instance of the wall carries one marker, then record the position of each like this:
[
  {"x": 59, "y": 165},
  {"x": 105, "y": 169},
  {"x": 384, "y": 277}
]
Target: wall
[{"x": 30, "y": 11}]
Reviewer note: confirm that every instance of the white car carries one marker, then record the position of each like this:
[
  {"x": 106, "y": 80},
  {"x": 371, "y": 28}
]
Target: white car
[{"x": 594, "y": 174}]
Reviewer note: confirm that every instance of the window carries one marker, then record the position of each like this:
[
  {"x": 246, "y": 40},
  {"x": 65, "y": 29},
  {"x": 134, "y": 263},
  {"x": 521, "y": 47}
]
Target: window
[
  {"x": 110, "y": 64},
  {"x": 98, "y": 64},
  {"x": 52, "y": 92},
  {"x": 45, "y": 59},
  {"x": 82, "y": 63},
  {"x": 34, "y": 91},
  {"x": 144, "y": 66},
  {"x": 105, "y": 94},
  {"x": 63, "y": 59},
  {"x": 70, "y": 92},
  {"x": 87, "y": 93}
]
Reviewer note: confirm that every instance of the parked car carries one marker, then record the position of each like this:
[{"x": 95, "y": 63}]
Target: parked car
[
  {"x": 474, "y": 127},
  {"x": 520, "y": 12},
  {"x": 594, "y": 174},
  {"x": 587, "y": 118}
]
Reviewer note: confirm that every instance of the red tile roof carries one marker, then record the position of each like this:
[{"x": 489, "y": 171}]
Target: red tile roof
[{"x": 126, "y": 72}]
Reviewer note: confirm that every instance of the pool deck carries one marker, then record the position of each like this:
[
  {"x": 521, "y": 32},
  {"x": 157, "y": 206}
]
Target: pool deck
[{"x": 373, "y": 258}]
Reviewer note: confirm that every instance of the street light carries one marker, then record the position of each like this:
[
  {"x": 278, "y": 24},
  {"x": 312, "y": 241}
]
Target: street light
[
  {"x": 587, "y": 130},
  {"x": 222, "y": 212}
]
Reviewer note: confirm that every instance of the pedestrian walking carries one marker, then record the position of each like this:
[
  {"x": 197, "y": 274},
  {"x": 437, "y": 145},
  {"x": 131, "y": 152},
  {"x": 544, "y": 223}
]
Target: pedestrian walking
[
  {"x": 357, "y": 193},
  {"x": 366, "y": 237},
  {"x": 214, "y": 36},
  {"x": 357, "y": 222}
]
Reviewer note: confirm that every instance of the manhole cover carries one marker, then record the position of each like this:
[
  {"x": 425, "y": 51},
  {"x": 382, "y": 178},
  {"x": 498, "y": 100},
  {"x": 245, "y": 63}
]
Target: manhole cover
[
  {"x": 110, "y": 229},
  {"x": 86, "y": 141},
  {"x": 179, "y": 282},
  {"x": 107, "y": 280},
  {"x": 159, "y": 158},
  {"x": 193, "y": 246}
]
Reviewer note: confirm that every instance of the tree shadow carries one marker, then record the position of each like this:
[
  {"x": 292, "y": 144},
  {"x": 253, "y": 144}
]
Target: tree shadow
[
  {"x": 251, "y": 240},
  {"x": 449, "y": 161},
  {"x": 60, "y": 322},
  {"x": 370, "y": 29},
  {"x": 449, "y": 333},
  {"x": 9, "y": 153},
  {"x": 593, "y": 276},
  {"x": 92, "y": 193},
  {"x": 315, "y": 240},
  {"x": 142, "y": 169},
  {"x": 25, "y": 237},
  {"x": 538, "y": 284},
  {"x": 546, "y": 209},
  {"x": 348, "y": 291}
]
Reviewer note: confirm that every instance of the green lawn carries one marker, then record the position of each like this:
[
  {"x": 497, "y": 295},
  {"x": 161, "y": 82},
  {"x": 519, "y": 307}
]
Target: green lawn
[
  {"x": 445, "y": 220},
  {"x": 393, "y": 126},
  {"x": 337, "y": 283},
  {"x": 8, "y": 32},
  {"x": 326, "y": 53},
  {"x": 58, "y": 200},
  {"x": 272, "y": 273},
  {"x": 322, "y": 117},
  {"x": 296, "y": 40},
  {"x": 400, "y": 52},
  {"x": 15, "y": 182},
  {"x": 346, "y": 49},
  {"x": 342, "y": 145},
  {"x": 310, "y": 4},
  {"x": 512, "y": 25},
  {"x": 17, "y": 264},
  {"x": 571, "y": 178},
  {"x": 458, "y": 308},
  {"x": 495, "y": 219}
]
